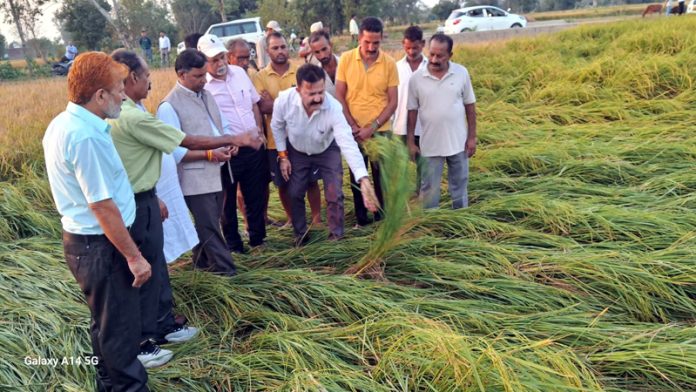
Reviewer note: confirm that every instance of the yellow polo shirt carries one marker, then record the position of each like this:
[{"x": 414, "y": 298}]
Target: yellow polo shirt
[
  {"x": 268, "y": 80},
  {"x": 366, "y": 95}
]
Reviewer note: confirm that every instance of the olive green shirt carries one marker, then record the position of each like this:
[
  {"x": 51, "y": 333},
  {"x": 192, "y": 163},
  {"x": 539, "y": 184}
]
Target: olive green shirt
[{"x": 140, "y": 139}]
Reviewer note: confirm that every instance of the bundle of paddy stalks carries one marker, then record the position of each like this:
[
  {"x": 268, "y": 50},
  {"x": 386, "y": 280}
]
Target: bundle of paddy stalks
[
  {"x": 397, "y": 188},
  {"x": 572, "y": 270}
]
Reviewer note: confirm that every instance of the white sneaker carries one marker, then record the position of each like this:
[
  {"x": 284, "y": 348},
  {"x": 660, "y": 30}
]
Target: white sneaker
[
  {"x": 151, "y": 355},
  {"x": 182, "y": 333}
]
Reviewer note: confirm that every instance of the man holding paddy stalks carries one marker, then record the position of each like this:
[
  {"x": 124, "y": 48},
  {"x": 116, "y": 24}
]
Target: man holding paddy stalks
[
  {"x": 442, "y": 98},
  {"x": 94, "y": 198},
  {"x": 311, "y": 132}
]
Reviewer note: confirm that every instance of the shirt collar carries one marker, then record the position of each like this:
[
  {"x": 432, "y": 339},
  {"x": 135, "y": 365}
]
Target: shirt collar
[
  {"x": 424, "y": 62},
  {"x": 357, "y": 56},
  {"x": 211, "y": 79},
  {"x": 298, "y": 102},
  {"x": 427, "y": 74},
  {"x": 291, "y": 71},
  {"x": 189, "y": 92},
  {"x": 87, "y": 116}
]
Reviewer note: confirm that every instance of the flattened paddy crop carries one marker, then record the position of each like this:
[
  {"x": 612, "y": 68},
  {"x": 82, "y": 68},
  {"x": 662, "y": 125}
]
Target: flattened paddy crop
[{"x": 574, "y": 269}]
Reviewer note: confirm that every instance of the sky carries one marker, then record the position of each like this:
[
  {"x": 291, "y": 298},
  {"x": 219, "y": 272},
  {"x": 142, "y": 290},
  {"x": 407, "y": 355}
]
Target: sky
[{"x": 49, "y": 30}]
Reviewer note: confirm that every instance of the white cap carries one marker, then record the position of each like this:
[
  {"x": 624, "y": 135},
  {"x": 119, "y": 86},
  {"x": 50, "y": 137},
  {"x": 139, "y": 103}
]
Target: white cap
[
  {"x": 211, "y": 45},
  {"x": 274, "y": 25},
  {"x": 316, "y": 27}
]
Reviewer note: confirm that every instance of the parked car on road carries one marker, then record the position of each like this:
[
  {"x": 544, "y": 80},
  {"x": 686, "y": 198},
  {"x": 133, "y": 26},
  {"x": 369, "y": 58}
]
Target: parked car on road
[
  {"x": 482, "y": 18},
  {"x": 248, "y": 29}
]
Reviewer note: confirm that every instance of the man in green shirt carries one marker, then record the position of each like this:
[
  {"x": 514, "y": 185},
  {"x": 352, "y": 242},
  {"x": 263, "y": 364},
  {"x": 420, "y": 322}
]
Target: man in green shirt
[{"x": 140, "y": 141}]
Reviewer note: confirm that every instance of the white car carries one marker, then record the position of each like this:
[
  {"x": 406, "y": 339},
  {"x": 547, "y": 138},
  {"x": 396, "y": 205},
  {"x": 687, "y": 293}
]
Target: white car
[
  {"x": 248, "y": 29},
  {"x": 482, "y": 18}
]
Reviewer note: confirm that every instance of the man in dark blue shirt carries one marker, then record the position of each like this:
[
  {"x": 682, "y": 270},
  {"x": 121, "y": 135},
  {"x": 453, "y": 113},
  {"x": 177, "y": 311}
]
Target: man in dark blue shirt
[{"x": 146, "y": 46}]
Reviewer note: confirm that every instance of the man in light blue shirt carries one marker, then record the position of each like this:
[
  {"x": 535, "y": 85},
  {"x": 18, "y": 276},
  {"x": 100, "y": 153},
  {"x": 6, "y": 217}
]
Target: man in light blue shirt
[{"x": 95, "y": 200}]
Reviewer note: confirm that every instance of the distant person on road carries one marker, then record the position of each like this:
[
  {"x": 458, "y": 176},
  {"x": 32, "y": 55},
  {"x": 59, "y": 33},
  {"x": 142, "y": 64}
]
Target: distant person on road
[
  {"x": 668, "y": 7},
  {"x": 353, "y": 29},
  {"x": 145, "y": 46},
  {"x": 312, "y": 133},
  {"x": 262, "y": 59},
  {"x": 70, "y": 52},
  {"x": 682, "y": 7},
  {"x": 413, "y": 60},
  {"x": 92, "y": 194},
  {"x": 165, "y": 46},
  {"x": 367, "y": 83},
  {"x": 442, "y": 98}
]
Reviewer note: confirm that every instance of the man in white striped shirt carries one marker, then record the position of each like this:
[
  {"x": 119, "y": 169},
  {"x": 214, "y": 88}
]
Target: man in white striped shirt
[{"x": 311, "y": 132}]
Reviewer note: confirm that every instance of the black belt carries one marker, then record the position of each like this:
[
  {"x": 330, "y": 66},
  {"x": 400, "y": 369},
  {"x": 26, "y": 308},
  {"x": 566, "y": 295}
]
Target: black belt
[
  {"x": 140, "y": 196},
  {"x": 83, "y": 238}
]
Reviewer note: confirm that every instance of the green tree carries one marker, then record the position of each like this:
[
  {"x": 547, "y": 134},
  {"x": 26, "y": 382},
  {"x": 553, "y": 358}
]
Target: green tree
[
  {"x": 84, "y": 23},
  {"x": 3, "y": 46},
  {"x": 444, "y": 8},
  {"x": 193, "y": 16},
  {"x": 277, "y": 10},
  {"x": 25, "y": 15},
  {"x": 137, "y": 15}
]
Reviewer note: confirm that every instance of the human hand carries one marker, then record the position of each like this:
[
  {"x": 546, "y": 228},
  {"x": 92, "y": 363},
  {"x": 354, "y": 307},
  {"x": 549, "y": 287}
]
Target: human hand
[
  {"x": 221, "y": 154},
  {"x": 140, "y": 269},
  {"x": 470, "y": 147},
  {"x": 285, "y": 168},
  {"x": 164, "y": 212},
  {"x": 368, "y": 194},
  {"x": 234, "y": 150},
  {"x": 413, "y": 151}
]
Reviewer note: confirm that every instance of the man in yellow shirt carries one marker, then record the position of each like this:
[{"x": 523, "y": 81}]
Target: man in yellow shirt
[
  {"x": 277, "y": 76},
  {"x": 367, "y": 82}
]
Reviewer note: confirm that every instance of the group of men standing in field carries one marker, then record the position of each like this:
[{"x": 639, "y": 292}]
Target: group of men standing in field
[{"x": 125, "y": 181}]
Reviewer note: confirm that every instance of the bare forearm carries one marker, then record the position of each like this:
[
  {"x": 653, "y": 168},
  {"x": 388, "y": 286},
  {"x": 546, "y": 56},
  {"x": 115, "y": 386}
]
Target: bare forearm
[
  {"x": 258, "y": 118},
  {"x": 111, "y": 221},
  {"x": 471, "y": 120},
  {"x": 205, "y": 142},
  {"x": 411, "y": 126},
  {"x": 195, "y": 155}
]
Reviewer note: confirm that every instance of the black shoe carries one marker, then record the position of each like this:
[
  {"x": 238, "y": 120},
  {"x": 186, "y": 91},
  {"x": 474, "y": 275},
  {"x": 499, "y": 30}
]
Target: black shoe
[{"x": 302, "y": 240}]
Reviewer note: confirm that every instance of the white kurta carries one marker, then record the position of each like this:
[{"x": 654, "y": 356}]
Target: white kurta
[{"x": 179, "y": 233}]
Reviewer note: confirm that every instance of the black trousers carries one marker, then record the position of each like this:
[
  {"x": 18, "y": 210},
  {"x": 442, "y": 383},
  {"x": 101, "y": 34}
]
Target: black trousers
[
  {"x": 248, "y": 169},
  {"x": 156, "y": 300},
  {"x": 114, "y": 305},
  {"x": 360, "y": 209},
  {"x": 211, "y": 253}
]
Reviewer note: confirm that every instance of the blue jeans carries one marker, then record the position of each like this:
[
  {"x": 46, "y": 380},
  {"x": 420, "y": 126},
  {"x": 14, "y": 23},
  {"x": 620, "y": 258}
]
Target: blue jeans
[{"x": 457, "y": 179}]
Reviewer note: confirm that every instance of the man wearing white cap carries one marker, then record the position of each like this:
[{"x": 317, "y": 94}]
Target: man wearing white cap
[
  {"x": 237, "y": 97},
  {"x": 305, "y": 51},
  {"x": 262, "y": 58}
]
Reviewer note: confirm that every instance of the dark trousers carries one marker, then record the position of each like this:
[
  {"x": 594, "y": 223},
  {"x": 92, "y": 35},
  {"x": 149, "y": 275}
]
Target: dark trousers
[
  {"x": 114, "y": 305},
  {"x": 360, "y": 209},
  {"x": 156, "y": 300},
  {"x": 248, "y": 169},
  {"x": 331, "y": 170},
  {"x": 211, "y": 253}
]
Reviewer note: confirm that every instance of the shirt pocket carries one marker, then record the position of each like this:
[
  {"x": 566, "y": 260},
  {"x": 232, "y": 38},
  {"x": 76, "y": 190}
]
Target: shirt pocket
[{"x": 195, "y": 165}]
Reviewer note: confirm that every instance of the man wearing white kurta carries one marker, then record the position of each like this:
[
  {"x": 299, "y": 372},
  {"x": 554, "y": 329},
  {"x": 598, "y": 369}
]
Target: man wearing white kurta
[
  {"x": 442, "y": 97},
  {"x": 310, "y": 131}
]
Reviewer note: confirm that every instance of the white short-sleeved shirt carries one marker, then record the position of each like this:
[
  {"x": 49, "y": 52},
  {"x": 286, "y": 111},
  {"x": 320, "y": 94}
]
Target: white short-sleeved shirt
[
  {"x": 440, "y": 104},
  {"x": 401, "y": 113}
]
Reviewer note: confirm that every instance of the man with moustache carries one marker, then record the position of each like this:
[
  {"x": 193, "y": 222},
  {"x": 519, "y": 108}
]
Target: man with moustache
[
  {"x": 414, "y": 60},
  {"x": 366, "y": 85},
  {"x": 192, "y": 109},
  {"x": 442, "y": 98},
  {"x": 322, "y": 52},
  {"x": 237, "y": 98},
  {"x": 94, "y": 198},
  {"x": 310, "y": 127},
  {"x": 141, "y": 140},
  {"x": 280, "y": 75},
  {"x": 262, "y": 58}
]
